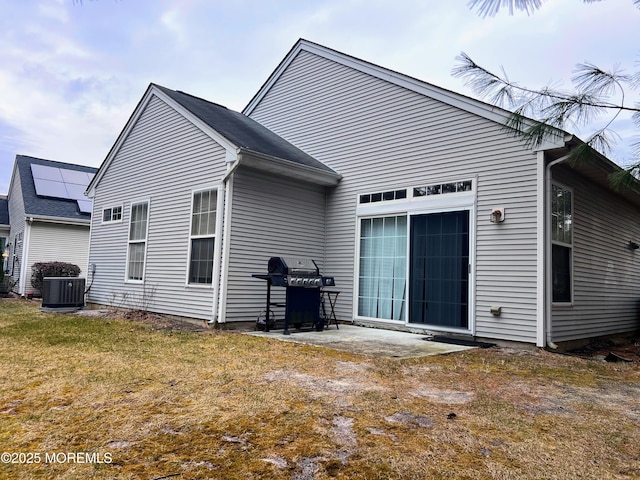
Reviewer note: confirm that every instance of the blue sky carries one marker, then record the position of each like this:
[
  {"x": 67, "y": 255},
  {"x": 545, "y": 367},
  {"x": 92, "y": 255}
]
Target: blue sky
[{"x": 71, "y": 73}]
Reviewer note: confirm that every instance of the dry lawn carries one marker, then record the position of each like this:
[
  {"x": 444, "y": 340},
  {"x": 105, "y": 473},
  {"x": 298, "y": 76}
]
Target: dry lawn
[{"x": 158, "y": 404}]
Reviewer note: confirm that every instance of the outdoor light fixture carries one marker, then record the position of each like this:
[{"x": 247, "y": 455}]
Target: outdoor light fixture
[{"x": 497, "y": 215}]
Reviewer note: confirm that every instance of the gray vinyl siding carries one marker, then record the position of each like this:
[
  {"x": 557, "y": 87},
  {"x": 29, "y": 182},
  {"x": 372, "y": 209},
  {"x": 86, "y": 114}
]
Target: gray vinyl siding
[
  {"x": 50, "y": 242},
  {"x": 271, "y": 216},
  {"x": 381, "y": 136},
  {"x": 17, "y": 219},
  {"x": 606, "y": 271},
  {"x": 162, "y": 160}
]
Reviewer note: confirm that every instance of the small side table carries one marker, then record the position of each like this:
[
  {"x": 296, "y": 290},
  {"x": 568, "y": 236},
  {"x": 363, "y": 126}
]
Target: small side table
[{"x": 332, "y": 297}]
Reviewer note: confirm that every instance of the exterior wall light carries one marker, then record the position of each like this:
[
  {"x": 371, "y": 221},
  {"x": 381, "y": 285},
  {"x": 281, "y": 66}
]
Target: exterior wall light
[{"x": 497, "y": 215}]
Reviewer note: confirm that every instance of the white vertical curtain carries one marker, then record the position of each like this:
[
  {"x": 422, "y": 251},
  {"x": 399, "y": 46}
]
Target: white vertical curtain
[{"x": 383, "y": 267}]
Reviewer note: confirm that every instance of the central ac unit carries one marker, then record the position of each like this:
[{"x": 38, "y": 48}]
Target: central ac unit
[{"x": 63, "y": 292}]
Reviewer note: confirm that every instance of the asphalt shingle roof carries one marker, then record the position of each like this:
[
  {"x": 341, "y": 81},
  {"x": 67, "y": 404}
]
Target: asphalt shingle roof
[
  {"x": 243, "y": 131},
  {"x": 48, "y": 206}
]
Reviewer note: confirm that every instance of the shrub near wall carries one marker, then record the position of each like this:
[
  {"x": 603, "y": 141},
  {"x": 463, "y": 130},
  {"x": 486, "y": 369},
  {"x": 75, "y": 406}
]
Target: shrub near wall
[{"x": 52, "y": 269}]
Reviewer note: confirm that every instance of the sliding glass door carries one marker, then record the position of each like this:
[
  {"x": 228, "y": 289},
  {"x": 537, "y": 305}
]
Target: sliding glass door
[{"x": 439, "y": 269}]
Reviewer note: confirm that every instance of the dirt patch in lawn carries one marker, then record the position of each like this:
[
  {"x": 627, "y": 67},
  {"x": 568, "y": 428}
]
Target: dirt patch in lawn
[{"x": 168, "y": 402}]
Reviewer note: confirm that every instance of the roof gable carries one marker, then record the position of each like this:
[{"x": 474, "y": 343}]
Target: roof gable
[
  {"x": 234, "y": 131},
  {"x": 448, "y": 97},
  {"x": 244, "y": 132},
  {"x": 43, "y": 206}
]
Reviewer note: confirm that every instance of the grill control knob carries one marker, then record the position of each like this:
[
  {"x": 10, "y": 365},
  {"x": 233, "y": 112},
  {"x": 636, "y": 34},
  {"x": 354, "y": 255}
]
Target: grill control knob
[
  {"x": 305, "y": 282},
  {"x": 317, "y": 282}
]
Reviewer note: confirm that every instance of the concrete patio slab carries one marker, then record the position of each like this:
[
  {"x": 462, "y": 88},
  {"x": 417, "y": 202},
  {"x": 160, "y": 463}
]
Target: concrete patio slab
[{"x": 367, "y": 341}]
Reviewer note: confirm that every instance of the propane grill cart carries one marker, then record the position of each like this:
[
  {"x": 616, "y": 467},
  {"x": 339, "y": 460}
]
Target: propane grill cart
[{"x": 302, "y": 280}]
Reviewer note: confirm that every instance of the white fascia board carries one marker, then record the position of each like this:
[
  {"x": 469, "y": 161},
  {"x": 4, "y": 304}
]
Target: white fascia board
[
  {"x": 289, "y": 169},
  {"x": 13, "y": 174},
  {"x": 152, "y": 90},
  {"x": 58, "y": 220},
  {"x": 448, "y": 97},
  {"x": 206, "y": 129},
  {"x": 124, "y": 134}
]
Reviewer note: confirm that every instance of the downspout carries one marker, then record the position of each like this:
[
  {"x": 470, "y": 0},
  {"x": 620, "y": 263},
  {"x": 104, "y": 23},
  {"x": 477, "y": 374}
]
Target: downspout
[
  {"x": 547, "y": 252},
  {"x": 222, "y": 225},
  {"x": 25, "y": 256}
]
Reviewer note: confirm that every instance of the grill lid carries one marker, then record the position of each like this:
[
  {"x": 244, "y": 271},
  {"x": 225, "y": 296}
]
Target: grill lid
[{"x": 292, "y": 265}]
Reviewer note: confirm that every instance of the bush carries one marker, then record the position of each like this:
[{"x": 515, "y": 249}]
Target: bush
[{"x": 52, "y": 269}]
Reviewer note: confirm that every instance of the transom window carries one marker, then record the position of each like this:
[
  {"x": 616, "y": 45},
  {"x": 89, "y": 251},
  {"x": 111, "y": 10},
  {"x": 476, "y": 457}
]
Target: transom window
[
  {"x": 137, "y": 241},
  {"x": 443, "y": 188},
  {"x": 383, "y": 196},
  {"x": 561, "y": 242},
  {"x": 202, "y": 237},
  {"x": 112, "y": 214}
]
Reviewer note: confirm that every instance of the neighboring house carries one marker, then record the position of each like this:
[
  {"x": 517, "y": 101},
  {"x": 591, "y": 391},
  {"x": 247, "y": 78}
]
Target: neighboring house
[
  {"x": 429, "y": 214},
  {"x": 50, "y": 217},
  {"x": 4, "y": 231}
]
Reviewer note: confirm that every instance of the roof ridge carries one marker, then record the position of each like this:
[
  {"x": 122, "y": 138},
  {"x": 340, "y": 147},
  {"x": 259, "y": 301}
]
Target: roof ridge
[
  {"x": 28, "y": 158},
  {"x": 181, "y": 92}
]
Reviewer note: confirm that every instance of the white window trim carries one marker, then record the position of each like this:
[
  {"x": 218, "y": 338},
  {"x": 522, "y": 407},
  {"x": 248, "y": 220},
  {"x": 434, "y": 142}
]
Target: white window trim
[
  {"x": 111, "y": 208},
  {"x": 205, "y": 286},
  {"x": 129, "y": 242},
  {"x": 416, "y": 206},
  {"x": 563, "y": 244},
  {"x": 356, "y": 294},
  {"x": 471, "y": 208}
]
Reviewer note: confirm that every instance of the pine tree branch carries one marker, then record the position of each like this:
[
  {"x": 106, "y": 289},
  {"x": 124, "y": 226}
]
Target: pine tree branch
[{"x": 487, "y": 84}]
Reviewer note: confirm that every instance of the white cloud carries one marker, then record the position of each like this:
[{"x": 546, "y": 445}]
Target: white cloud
[
  {"x": 72, "y": 74},
  {"x": 53, "y": 9}
]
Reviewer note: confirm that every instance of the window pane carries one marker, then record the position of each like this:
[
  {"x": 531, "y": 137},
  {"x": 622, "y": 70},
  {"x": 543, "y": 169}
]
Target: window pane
[
  {"x": 201, "y": 264},
  {"x": 561, "y": 215},
  {"x": 382, "y": 270},
  {"x": 203, "y": 220},
  {"x": 136, "y": 261},
  {"x": 138, "y": 229},
  {"x": 561, "y": 259},
  {"x": 106, "y": 215}
]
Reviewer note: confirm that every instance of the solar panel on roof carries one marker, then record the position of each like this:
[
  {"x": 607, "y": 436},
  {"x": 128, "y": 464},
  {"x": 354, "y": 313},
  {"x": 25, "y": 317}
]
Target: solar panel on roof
[
  {"x": 85, "y": 206},
  {"x": 61, "y": 182},
  {"x": 75, "y": 192},
  {"x": 46, "y": 173},
  {"x": 73, "y": 176},
  {"x": 48, "y": 188}
]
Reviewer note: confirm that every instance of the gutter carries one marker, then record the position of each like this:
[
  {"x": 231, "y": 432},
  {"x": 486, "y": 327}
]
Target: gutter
[
  {"x": 287, "y": 168},
  {"x": 59, "y": 220}
]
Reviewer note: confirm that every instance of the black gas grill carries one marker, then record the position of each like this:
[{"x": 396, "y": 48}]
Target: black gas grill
[{"x": 302, "y": 280}]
